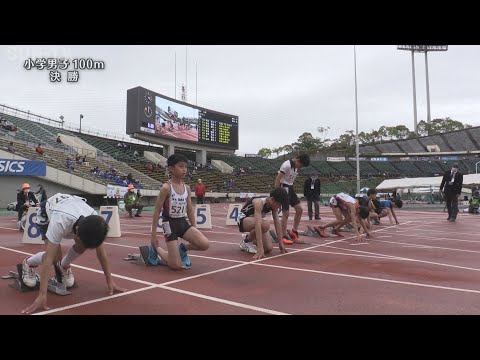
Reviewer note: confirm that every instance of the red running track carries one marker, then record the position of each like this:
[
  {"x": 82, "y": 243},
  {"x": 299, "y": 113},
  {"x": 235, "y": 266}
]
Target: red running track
[{"x": 425, "y": 265}]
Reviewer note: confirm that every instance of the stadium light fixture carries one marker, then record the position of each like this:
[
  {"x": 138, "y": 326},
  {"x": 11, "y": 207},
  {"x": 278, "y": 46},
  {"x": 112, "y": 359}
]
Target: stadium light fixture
[
  {"x": 425, "y": 49},
  {"x": 81, "y": 117},
  {"x": 357, "y": 150}
]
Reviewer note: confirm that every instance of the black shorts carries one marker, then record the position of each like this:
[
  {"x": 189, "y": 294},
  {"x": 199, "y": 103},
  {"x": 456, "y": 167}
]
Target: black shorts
[
  {"x": 240, "y": 225},
  {"x": 292, "y": 198},
  {"x": 377, "y": 208},
  {"x": 176, "y": 228}
]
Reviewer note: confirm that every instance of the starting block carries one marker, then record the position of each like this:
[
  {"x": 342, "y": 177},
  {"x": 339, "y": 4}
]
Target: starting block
[
  {"x": 317, "y": 232},
  {"x": 288, "y": 236},
  {"x": 348, "y": 227},
  {"x": 141, "y": 259},
  {"x": 310, "y": 232},
  {"x": 275, "y": 238},
  {"x": 58, "y": 278},
  {"x": 54, "y": 285},
  {"x": 297, "y": 241}
]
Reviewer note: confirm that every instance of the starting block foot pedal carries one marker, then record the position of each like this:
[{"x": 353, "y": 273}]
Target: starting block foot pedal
[
  {"x": 58, "y": 277},
  {"x": 132, "y": 257},
  {"x": 136, "y": 259},
  {"x": 18, "y": 283},
  {"x": 57, "y": 287},
  {"x": 310, "y": 232},
  {"x": 11, "y": 275},
  {"x": 320, "y": 234},
  {"x": 142, "y": 258}
]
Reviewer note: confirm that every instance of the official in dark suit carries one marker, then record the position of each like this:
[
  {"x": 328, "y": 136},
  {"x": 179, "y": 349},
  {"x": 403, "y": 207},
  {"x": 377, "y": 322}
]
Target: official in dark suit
[
  {"x": 311, "y": 190},
  {"x": 451, "y": 186},
  {"x": 23, "y": 200}
]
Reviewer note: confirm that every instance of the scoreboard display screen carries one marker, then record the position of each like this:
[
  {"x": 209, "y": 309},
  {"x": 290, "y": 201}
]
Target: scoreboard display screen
[{"x": 159, "y": 115}]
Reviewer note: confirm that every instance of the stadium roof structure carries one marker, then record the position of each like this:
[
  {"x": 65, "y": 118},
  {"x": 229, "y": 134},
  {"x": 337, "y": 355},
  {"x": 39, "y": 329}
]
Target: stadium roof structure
[{"x": 468, "y": 182}]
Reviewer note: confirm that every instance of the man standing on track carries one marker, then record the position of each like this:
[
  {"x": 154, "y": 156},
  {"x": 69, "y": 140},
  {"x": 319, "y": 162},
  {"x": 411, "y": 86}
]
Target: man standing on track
[{"x": 451, "y": 186}]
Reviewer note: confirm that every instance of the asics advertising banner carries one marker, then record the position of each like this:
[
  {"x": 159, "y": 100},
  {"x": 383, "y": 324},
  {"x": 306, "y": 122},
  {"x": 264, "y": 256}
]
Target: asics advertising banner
[{"x": 22, "y": 167}]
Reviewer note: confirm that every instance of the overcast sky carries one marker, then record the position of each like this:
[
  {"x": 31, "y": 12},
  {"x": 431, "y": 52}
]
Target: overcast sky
[{"x": 278, "y": 92}]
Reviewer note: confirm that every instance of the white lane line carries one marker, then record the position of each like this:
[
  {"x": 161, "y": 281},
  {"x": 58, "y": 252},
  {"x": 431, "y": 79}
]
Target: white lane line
[{"x": 374, "y": 279}]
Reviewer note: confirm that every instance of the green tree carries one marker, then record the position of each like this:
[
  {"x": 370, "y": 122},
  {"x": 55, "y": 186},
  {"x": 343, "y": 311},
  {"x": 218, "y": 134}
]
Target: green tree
[
  {"x": 439, "y": 126},
  {"x": 452, "y": 125},
  {"x": 277, "y": 150},
  {"x": 323, "y": 132},
  {"x": 411, "y": 135},
  {"x": 382, "y": 133},
  {"x": 423, "y": 128},
  {"x": 375, "y": 136},
  {"x": 392, "y": 132},
  {"x": 287, "y": 148},
  {"x": 346, "y": 140},
  {"x": 265, "y": 152},
  {"x": 402, "y": 131},
  {"x": 306, "y": 142},
  {"x": 363, "y": 138}
]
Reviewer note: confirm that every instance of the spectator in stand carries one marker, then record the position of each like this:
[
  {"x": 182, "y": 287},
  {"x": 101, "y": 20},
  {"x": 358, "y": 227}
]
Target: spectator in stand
[
  {"x": 39, "y": 149},
  {"x": 69, "y": 164},
  {"x": 149, "y": 167},
  {"x": 11, "y": 147},
  {"x": 200, "y": 192},
  {"x": 6, "y": 126},
  {"x": 59, "y": 140}
]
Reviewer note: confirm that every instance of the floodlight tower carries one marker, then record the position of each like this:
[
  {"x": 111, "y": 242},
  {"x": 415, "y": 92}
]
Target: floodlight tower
[
  {"x": 183, "y": 93},
  {"x": 425, "y": 49}
]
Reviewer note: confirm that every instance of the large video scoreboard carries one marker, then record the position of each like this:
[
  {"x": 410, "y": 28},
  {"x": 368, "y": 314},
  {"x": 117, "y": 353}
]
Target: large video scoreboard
[{"x": 159, "y": 115}]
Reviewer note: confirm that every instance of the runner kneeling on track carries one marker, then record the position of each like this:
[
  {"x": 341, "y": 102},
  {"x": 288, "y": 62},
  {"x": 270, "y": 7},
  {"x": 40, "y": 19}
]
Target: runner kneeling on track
[
  {"x": 174, "y": 198},
  {"x": 373, "y": 208},
  {"x": 343, "y": 204},
  {"x": 65, "y": 216},
  {"x": 251, "y": 220},
  {"x": 387, "y": 207}
]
